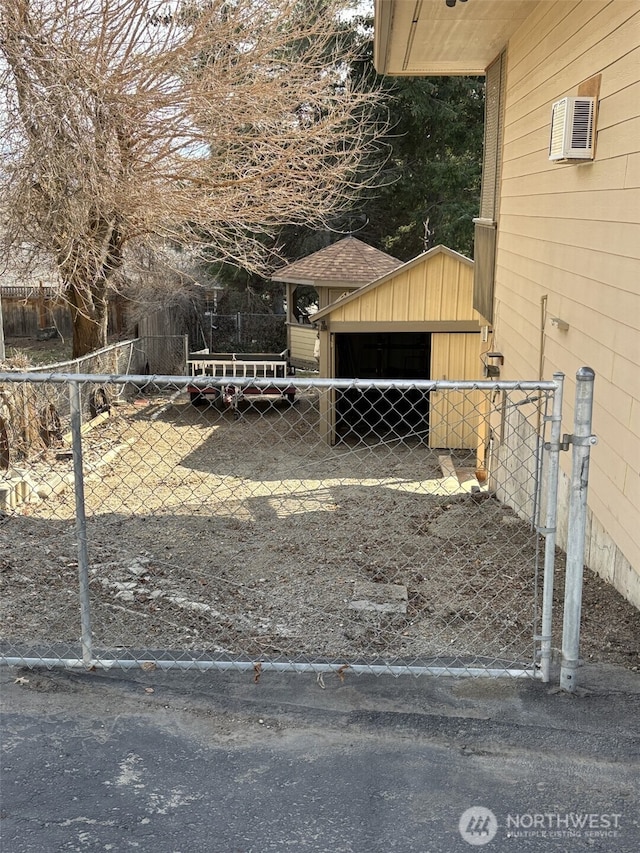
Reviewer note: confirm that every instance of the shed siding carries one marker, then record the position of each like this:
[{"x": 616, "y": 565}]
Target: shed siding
[
  {"x": 438, "y": 289},
  {"x": 570, "y": 232},
  {"x": 302, "y": 341},
  {"x": 454, "y": 415},
  {"x": 433, "y": 295}
]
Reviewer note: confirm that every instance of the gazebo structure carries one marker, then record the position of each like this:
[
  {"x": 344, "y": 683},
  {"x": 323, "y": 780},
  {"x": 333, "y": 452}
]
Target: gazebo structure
[{"x": 323, "y": 278}]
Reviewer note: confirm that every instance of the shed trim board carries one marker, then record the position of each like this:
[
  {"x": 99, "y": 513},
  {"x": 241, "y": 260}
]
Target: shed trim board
[
  {"x": 449, "y": 326},
  {"x": 320, "y": 282}
]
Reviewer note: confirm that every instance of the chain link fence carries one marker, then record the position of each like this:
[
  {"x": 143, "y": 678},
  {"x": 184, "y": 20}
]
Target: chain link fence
[
  {"x": 163, "y": 354},
  {"x": 35, "y": 416},
  {"x": 364, "y": 525},
  {"x": 245, "y": 332}
]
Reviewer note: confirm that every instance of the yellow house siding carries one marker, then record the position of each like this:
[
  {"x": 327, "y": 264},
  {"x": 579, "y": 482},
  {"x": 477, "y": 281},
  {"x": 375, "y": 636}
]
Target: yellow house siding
[
  {"x": 632, "y": 175},
  {"x": 635, "y": 417},
  {"x": 576, "y": 180},
  {"x": 584, "y": 50},
  {"x": 520, "y": 358},
  {"x": 622, "y": 74},
  {"x": 619, "y": 141},
  {"x": 588, "y": 265},
  {"x": 617, "y": 108},
  {"x": 597, "y": 206},
  {"x": 536, "y": 277},
  {"x": 608, "y": 421},
  {"x": 578, "y": 36},
  {"x": 608, "y": 314},
  {"x": 571, "y": 232},
  {"x": 620, "y": 238},
  {"x": 625, "y": 539}
]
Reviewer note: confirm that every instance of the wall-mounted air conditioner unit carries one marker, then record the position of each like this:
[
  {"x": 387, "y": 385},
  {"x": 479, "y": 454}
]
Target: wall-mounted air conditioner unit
[{"x": 572, "y": 130}]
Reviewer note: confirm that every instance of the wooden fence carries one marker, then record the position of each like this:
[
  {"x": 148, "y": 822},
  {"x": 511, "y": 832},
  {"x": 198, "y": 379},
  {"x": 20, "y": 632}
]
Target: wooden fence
[{"x": 27, "y": 311}]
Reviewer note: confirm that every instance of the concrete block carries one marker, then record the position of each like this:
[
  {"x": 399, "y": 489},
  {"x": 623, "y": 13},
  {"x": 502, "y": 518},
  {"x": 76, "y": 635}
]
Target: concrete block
[{"x": 379, "y": 597}]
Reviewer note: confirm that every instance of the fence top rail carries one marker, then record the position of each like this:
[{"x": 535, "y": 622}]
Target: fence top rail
[
  {"x": 145, "y": 380},
  {"x": 205, "y": 355},
  {"x": 55, "y": 367},
  {"x": 26, "y": 291}
]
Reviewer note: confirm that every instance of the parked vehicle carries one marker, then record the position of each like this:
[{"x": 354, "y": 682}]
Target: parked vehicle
[{"x": 240, "y": 366}]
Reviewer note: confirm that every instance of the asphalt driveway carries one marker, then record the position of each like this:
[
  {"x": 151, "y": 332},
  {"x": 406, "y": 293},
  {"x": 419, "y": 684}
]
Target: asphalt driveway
[{"x": 215, "y": 763}]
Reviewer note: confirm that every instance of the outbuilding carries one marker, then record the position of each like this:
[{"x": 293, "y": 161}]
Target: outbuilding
[
  {"x": 320, "y": 279},
  {"x": 415, "y": 322}
]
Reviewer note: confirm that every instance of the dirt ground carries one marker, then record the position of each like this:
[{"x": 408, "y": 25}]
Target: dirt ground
[
  {"x": 21, "y": 352},
  {"x": 250, "y": 537}
]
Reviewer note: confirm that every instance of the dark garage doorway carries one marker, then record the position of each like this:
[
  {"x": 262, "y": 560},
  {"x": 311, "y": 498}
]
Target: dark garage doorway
[{"x": 382, "y": 355}]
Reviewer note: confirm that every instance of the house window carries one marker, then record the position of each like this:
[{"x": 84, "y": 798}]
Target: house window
[{"x": 486, "y": 224}]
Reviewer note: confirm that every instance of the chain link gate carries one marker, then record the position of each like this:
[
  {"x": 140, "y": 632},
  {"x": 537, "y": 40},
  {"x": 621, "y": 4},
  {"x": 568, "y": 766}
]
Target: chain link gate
[{"x": 365, "y": 526}]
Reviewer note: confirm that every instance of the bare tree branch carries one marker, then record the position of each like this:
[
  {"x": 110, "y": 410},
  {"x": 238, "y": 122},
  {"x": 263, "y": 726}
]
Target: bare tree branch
[{"x": 202, "y": 124}]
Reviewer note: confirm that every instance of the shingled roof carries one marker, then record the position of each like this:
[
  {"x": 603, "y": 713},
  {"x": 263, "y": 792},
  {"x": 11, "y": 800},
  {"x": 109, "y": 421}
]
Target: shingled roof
[{"x": 349, "y": 261}]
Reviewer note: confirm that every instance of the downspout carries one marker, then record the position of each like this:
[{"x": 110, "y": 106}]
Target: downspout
[
  {"x": 543, "y": 321},
  {"x": 540, "y": 438}
]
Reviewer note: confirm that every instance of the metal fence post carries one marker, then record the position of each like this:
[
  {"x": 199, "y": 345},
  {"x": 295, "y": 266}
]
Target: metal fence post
[
  {"x": 550, "y": 527},
  {"x": 81, "y": 521},
  {"x": 582, "y": 440}
]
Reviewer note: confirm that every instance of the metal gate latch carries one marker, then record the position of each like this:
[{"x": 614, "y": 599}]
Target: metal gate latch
[{"x": 567, "y": 440}]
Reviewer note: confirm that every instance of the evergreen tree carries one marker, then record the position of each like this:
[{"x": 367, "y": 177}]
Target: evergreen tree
[
  {"x": 428, "y": 190},
  {"x": 427, "y": 168}
]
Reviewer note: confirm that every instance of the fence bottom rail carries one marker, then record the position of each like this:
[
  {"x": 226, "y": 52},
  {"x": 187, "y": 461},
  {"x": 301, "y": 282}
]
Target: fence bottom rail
[{"x": 152, "y": 662}]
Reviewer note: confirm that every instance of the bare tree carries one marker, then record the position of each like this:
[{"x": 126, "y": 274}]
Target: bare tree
[
  {"x": 202, "y": 124},
  {"x": 152, "y": 280}
]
